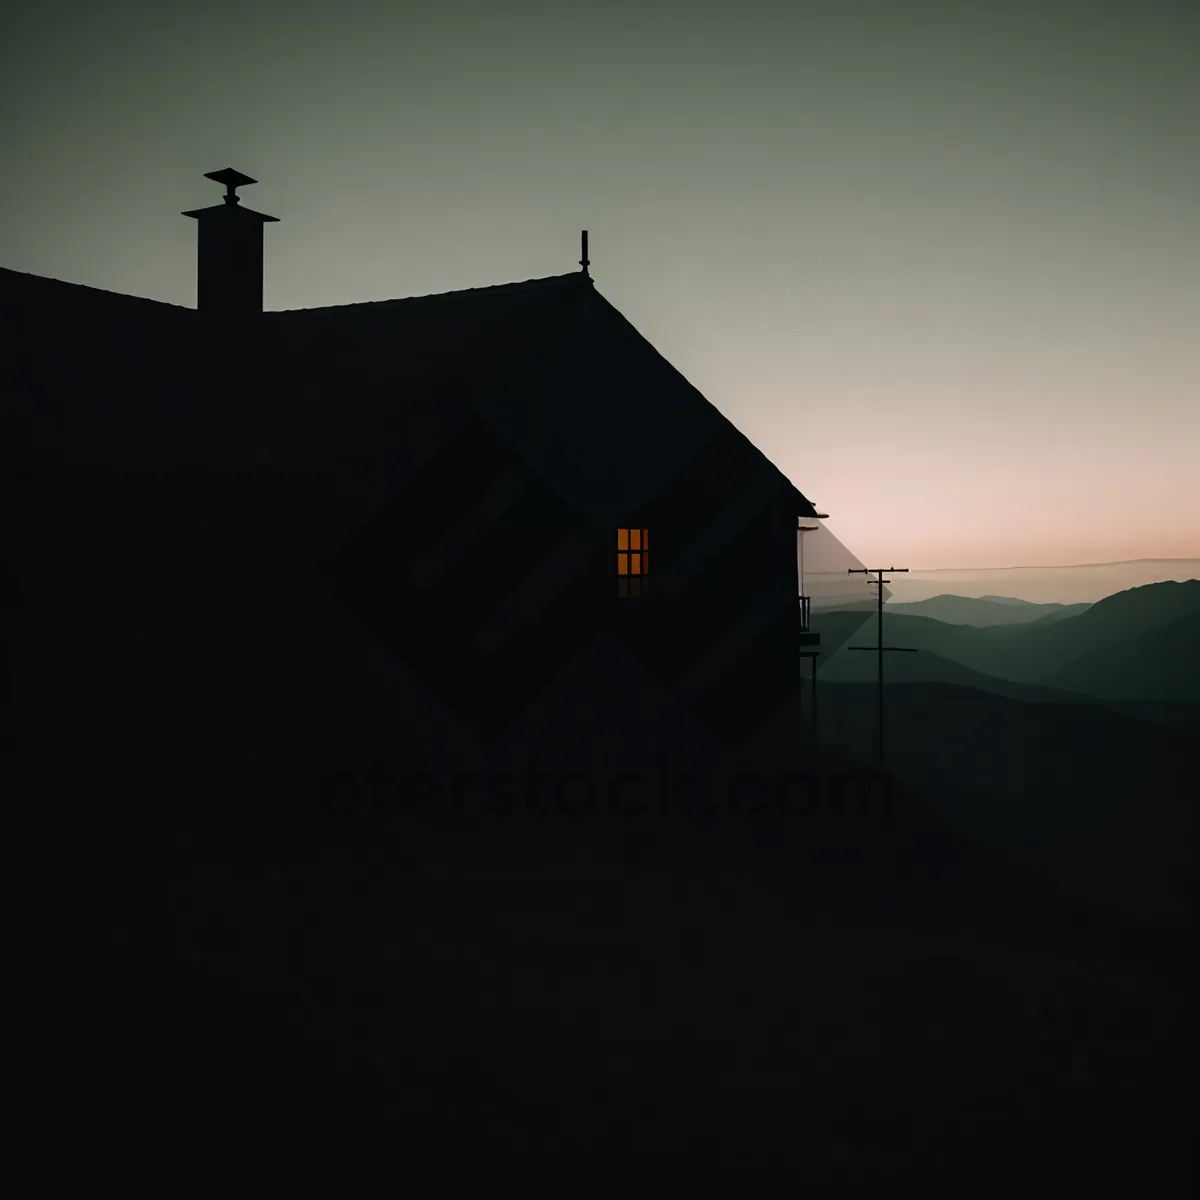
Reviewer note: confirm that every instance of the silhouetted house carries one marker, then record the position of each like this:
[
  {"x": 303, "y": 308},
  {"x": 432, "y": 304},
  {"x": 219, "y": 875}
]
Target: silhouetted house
[{"x": 250, "y": 550}]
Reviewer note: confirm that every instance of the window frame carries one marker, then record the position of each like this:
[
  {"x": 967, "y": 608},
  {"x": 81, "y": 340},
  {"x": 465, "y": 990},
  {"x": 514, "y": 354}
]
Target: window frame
[{"x": 633, "y": 562}]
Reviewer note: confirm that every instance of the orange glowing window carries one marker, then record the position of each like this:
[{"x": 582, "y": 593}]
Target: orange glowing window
[{"x": 633, "y": 562}]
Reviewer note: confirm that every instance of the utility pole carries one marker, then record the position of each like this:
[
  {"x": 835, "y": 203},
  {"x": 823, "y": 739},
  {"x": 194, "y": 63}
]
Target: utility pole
[
  {"x": 809, "y": 641},
  {"x": 879, "y": 647}
]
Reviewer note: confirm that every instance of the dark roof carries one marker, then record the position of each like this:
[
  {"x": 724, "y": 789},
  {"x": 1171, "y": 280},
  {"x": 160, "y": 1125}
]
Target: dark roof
[
  {"x": 443, "y": 327},
  {"x": 519, "y": 330}
]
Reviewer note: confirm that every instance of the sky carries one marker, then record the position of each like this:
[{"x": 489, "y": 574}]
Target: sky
[{"x": 940, "y": 262}]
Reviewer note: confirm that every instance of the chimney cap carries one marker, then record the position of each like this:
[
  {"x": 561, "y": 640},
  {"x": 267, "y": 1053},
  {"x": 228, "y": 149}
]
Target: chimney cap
[
  {"x": 229, "y": 177},
  {"x": 233, "y": 202}
]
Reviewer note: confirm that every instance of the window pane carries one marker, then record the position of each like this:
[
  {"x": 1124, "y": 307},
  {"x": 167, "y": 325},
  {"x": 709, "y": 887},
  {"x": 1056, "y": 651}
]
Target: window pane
[
  {"x": 645, "y": 564},
  {"x": 622, "y": 539},
  {"x": 645, "y": 539},
  {"x": 635, "y": 564},
  {"x": 623, "y": 589},
  {"x": 635, "y": 587},
  {"x": 635, "y": 539},
  {"x": 622, "y": 564}
]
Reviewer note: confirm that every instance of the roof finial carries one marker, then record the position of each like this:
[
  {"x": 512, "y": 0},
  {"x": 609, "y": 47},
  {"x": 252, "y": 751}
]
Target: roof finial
[{"x": 584, "y": 262}]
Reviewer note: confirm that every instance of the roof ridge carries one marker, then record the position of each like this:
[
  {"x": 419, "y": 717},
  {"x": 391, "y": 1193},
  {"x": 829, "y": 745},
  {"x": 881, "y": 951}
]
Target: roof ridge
[
  {"x": 356, "y": 305},
  {"x": 455, "y": 294},
  {"x": 87, "y": 287}
]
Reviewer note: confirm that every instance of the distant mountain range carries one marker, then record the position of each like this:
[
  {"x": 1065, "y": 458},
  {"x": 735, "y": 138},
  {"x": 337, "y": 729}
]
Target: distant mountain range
[
  {"x": 1140, "y": 646},
  {"x": 1085, "y": 583},
  {"x": 984, "y": 610}
]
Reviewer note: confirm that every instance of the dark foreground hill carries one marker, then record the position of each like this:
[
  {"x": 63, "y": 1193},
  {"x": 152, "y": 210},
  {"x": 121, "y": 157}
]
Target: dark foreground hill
[
  {"x": 1101, "y": 802},
  {"x": 857, "y": 998},
  {"x": 1109, "y": 678},
  {"x": 1160, "y": 664},
  {"x": 928, "y": 667}
]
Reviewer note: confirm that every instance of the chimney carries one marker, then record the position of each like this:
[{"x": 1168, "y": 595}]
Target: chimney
[{"x": 229, "y": 279}]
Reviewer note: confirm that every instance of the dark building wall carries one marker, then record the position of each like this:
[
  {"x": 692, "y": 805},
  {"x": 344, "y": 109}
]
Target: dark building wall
[
  {"x": 186, "y": 646},
  {"x": 180, "y": 649}
]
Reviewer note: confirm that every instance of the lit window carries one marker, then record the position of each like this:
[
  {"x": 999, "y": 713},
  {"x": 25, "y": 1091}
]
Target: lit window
[{"x": 633, "y": 563}]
